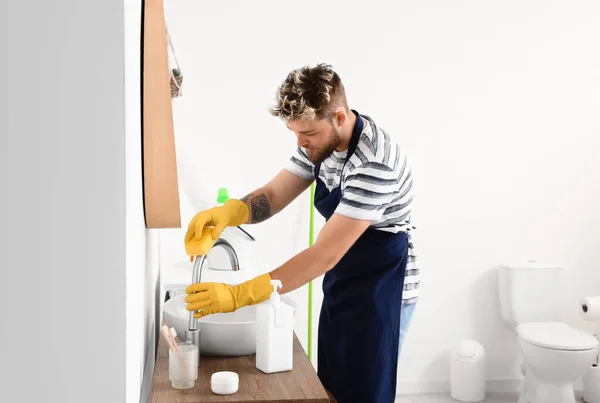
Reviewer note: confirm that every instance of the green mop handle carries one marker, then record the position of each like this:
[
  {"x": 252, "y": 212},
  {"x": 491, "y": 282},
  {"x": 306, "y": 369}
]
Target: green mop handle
[{"x": 311, "y": 232}]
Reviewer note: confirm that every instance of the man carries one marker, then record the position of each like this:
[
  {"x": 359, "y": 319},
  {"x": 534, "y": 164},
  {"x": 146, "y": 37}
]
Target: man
[{"x": 364, "y": 191}]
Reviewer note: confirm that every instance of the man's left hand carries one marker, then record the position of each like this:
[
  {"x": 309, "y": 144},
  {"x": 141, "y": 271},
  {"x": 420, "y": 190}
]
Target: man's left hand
[{"x": 209, "y": 298}]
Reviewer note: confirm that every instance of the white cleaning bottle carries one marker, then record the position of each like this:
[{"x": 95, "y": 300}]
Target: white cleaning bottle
[{"x": 274, "y": 334}]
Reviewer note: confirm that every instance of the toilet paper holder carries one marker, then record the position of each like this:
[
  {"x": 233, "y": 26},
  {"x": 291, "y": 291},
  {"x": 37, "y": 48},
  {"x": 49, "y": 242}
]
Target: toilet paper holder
[{"x": 595, "y": 364}]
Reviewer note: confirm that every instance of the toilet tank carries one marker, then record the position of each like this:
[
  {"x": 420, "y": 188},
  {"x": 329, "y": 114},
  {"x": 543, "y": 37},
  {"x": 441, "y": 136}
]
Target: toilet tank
[{"x": 530, "y": 292}]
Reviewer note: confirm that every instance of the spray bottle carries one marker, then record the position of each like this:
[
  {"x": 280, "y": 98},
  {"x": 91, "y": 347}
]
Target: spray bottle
[{"x": 274, "y": 334}]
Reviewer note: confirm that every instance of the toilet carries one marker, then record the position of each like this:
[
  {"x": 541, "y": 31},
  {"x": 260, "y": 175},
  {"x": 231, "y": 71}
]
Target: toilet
[{"x": 555, "y": 354}]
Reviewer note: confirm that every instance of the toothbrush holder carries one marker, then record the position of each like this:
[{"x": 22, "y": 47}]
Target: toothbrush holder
[{"x": 183, "y": 366}]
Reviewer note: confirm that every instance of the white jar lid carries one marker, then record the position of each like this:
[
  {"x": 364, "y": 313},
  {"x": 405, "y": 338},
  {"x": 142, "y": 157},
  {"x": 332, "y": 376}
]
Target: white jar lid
[{"x": 225, "y": 378}]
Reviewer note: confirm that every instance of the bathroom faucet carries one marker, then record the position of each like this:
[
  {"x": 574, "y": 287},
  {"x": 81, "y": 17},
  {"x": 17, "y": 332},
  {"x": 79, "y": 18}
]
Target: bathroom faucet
[{"x": 193, "y": 333}]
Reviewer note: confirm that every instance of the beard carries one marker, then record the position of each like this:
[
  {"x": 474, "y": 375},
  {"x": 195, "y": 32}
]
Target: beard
[{"x": 317, "y": 155}]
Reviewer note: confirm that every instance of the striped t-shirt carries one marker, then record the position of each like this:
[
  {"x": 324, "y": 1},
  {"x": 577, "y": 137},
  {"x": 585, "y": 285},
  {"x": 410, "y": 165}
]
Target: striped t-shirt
[{"x": 376, "y": 186}]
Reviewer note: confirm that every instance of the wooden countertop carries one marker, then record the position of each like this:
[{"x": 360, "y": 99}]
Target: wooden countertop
[{"x": 300, "y": 385}]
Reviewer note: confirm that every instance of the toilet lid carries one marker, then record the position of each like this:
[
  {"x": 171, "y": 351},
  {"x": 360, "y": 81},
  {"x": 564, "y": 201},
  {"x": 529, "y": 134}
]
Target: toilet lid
[{"x": 558, "y": 336}]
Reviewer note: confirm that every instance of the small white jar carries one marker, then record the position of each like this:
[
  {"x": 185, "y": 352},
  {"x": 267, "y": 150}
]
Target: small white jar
[{"x": 224, "y": 383}]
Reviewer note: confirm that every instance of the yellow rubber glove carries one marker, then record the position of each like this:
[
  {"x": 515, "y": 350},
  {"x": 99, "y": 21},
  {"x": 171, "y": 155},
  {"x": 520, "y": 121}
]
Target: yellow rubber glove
[
  {"x": 206, "y": 226},
  {"x": 209, "y": 298}
]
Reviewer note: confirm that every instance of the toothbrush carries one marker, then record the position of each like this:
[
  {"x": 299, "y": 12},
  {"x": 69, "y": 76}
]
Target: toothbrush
[
  {"x": 173, "y": 335},
  {"x": 170, "y": 335},
  {"x": 167, "y": 335}
]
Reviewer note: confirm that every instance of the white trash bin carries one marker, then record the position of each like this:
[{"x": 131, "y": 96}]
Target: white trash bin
[
  {"x": 467, "y": 372},
  {"x": 591, "y": 385}
]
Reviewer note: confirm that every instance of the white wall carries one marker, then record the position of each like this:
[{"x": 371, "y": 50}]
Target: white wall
[
  {"x": 495, "y": 102},
  {"x": 63, "y": 202},
  {"x": 79, "y": 271}
]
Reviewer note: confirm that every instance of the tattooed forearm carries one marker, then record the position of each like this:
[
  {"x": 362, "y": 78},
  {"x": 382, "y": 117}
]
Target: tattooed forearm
[{"x": 260, "y": 208}]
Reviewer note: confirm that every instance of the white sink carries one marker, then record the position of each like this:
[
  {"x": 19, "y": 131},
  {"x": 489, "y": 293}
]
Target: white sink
[{"x": 221, "y": 334}]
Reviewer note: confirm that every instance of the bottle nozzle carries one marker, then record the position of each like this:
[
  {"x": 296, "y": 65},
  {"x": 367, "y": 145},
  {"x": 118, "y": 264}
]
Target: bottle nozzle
[
  {"x": 276, "y": 285},
  {"x": 275, "y": 295}
]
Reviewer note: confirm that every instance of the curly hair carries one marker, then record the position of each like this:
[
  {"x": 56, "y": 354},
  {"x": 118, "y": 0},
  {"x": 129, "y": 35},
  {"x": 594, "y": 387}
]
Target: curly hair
[{"x": 309, "y": 93}]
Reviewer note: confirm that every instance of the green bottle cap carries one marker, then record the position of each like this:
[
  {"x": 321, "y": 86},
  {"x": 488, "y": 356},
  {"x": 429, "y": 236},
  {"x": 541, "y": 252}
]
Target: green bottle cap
[{"x": 222, "y": 197}]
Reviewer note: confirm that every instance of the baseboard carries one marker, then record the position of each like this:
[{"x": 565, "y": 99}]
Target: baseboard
[
  {"x": 418, "y": 387},
  {"x": 504, "y": 385}
]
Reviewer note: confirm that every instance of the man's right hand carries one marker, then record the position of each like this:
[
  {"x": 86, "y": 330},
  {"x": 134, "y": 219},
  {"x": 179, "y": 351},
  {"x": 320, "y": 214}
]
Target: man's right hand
[
  {"x": 206, "y": 226},
  {"x": 200, "y": 237}
]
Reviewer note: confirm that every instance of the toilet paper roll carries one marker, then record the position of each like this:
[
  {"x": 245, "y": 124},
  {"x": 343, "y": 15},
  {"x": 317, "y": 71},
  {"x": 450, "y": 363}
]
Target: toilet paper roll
[{"x": 590, "y": 308}]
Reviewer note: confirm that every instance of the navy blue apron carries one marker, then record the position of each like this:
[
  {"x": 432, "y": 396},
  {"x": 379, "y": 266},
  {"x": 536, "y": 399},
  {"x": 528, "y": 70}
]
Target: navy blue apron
[{"x": 359, "y": 325}]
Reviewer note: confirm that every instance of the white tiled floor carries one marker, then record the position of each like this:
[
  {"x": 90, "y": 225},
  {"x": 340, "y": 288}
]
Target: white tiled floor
[{"x": 445, "y": 398}]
